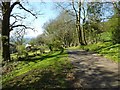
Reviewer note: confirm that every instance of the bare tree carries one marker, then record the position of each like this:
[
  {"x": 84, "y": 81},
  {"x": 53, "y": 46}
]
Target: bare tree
[
  {"x": 7, "y": 8},
  {"x": 74, "y": 9},
  {"x": 18, "y": 37}
]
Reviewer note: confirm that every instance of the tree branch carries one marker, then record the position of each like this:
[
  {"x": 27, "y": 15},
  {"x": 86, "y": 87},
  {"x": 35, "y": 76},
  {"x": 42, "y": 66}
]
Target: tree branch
[
  {"x": 13, "y": 5},
  {"x": 27, "y": 10},
  {"x": 18, "y": 3},
  {"x": 15, "y": 16},
  {"x": 20, "y": 25},
  {"x": 68, "y": 11},
  {"x": 74, "y": 8}
]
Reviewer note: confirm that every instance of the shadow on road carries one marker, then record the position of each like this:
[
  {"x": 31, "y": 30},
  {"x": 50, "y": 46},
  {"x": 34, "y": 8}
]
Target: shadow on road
[
  {"x": 80, "y": 52},
  {"x": 93, "y": 71}
]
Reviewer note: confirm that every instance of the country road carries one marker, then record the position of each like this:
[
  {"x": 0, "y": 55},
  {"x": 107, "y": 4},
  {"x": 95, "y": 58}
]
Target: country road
[
  {"x": 88, "y": 70},
  {"x": 93, "y": 71}
]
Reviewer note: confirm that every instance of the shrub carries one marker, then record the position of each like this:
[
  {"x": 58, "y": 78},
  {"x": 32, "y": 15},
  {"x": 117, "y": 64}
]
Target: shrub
[{"x": 21, "y": 51}]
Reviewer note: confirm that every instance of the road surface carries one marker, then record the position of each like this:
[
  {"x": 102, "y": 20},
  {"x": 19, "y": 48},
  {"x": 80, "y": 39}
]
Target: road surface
[{"x": 93, "y": 71}]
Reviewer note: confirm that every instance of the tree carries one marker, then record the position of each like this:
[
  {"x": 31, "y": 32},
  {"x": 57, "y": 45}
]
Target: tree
[
  {"x": 40, "y": 40},
  {"x": 7, "y": 8},
  {"x": 18, "y": 37},
  {"x": 76, "y": 12},
  {"x": 116, "y": 18},
  {"x": 97, "y": 14},
  {"x": 112, "y": 25},
  {"x": 61, "y": 29},
  {"x": 78, "y": 16}
]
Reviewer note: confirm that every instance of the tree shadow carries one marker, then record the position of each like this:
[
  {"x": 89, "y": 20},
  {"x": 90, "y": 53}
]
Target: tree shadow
[
  {"x": 106, "y": 47},
  {"x": 35, "y": 58},
  {"x": 39, "y": 79},
  {"x": 99, "y": 78},
  {"x": 90, "y": 75},
  {"x": 80, "y": 52}
]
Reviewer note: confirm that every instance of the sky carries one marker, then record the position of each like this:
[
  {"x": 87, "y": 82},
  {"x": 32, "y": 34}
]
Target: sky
[{"x": 47, "y": 10}]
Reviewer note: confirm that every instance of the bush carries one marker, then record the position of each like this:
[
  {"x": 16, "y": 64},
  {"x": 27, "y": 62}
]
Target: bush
[
  {"x": 21, "y": 51},
  {"x": 61, "y": 49},
  {"x": 116, "y": 36},
  {"x": 42, "y": 50},
  {"x": 50, "y": 46}
]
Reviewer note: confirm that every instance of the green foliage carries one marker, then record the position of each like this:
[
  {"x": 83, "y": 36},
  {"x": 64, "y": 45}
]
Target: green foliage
[
  {"x": 106, "y": 36},
  {"x": 60, "y": 30},
  {"x": 32, "y": 42},
  {"x": 115, "y": 29},
  {"x": 42, "y": 49},
  {"x": 112, "y": 25},
  {"x": 40, "y": 40},
  {"x": 50, "y": 46},
  {"x": 21, "y": 51},
  {"x": 57, "y": 44},
  {"x": 98, "y": 22},
  {"x": 116, "y": 35}
]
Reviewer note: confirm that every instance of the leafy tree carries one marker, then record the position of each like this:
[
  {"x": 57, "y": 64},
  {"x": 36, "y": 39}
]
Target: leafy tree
[
  {"x": 113, "y": 27},
  {"x": 116, "y": 27},
  {"x": 112, "y": 24},
  {"x": 97, "y": 14},
  {"x": 40, "y": 40},
  {"x": 62, "y": 30},
  {"x": 32, "y": 42},
  {"x": 83, "y": 12}
]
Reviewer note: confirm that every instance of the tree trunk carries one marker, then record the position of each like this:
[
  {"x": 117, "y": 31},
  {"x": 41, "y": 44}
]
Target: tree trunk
[
  {"x": 79, "y": 32},
  {"x": 80, "y": 35},
  {"x": 78, "y": 25},
  {"x": 6, "y": 32},
  {"x": 84, "y": 35}
]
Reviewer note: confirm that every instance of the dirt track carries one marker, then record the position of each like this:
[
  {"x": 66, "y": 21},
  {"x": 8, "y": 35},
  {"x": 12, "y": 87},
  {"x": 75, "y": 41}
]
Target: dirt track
[{"x": 93, "y": 71}]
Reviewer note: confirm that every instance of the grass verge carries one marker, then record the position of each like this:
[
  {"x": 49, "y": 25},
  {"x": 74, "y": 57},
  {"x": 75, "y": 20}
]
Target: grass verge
[
  {"x": 49, "y": 70},
  {"x": 106, "y": 49}
]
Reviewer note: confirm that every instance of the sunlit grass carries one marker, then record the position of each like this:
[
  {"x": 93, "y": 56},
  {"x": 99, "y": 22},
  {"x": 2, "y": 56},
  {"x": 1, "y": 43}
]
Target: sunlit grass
[
  {"x": 73, "y": 48},
  {"x": 54, "y": 61},
  {"x": 106, "y": 49}
]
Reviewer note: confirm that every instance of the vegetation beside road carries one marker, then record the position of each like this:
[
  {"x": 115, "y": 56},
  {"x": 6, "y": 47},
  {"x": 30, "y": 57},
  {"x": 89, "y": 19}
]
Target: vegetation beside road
[
  {"x": 106, "y": 49},
  {"x": 54, "y": 64},
  {"x": 43, "y": 62}
]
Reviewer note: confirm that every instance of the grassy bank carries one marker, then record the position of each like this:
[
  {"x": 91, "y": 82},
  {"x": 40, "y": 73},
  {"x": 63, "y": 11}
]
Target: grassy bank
[
  {"x": 49, "y": 70},
  {"x": 106, "y": 49}
]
